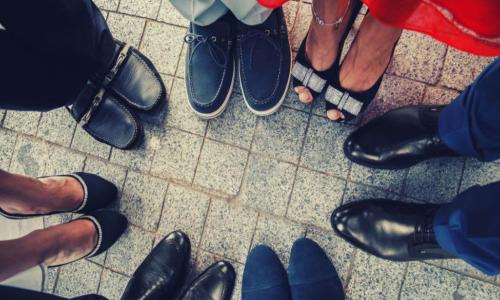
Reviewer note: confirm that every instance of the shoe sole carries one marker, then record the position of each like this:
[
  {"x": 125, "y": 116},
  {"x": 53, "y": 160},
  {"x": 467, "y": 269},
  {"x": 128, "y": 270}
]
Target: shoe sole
[
  {"x": 275, "y": 108},
  {"x": 223, "y": 107}
]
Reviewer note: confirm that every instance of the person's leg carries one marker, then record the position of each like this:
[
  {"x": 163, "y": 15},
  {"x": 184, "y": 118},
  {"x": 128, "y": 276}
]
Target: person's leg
[
  {"x": 27, "y": 195},
  {"x": 200, "y": 12},
  {"x": 52, "y": 246},
  {"x": 470, "y": 125},
  {"x": 49, "y": 51},
  {"x": 469, "y": 227},
  {"x": 249, "y": 12}
]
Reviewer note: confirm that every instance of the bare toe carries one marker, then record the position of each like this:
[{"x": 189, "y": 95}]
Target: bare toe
[
  {"x": 334, "y": 115},
  {"x": 305, "y": 96}
]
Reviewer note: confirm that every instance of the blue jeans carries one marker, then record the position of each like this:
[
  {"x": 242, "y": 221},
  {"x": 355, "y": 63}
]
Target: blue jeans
[
  {"x": 49, "y": 51},
  {"x": 469, "y": 227}
]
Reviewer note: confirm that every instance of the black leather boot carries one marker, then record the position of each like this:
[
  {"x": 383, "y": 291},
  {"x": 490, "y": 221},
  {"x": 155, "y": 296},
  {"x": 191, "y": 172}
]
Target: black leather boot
[
  {"x": 161, "y": 274},
  {"x": 215, "y": 283},
  {"x": 389, "y": 229},
  {"x": 399, "y": 139}
]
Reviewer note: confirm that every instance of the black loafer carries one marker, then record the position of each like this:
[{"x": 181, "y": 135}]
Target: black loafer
[
  {"x": 389, "y": 229},
  {"x": 264, "y": 63},
  {"x": 110, "y": 225},
  {"x": 399, "y": 139},
  {"x": 210, "y": 67},
  {"x": 216, "y": 283},
  {"x": 97, "y": 193},
  {"x": 161, "y": 274}
]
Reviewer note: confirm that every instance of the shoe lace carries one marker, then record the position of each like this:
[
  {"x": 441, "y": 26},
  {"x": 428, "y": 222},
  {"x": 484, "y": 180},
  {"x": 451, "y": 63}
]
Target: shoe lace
[
  {"x": 214, "y": 47},
  {"x": 253, "y": 35}
]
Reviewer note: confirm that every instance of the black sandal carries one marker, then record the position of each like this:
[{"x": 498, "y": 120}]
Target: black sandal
[
  {"x": 305, "y": 75},
  {"x": 109, "y": 224},
  {"x": 351, "y": 103},
  {"x": 103, "y": 107},
  {"x": 97, "y": 193}
]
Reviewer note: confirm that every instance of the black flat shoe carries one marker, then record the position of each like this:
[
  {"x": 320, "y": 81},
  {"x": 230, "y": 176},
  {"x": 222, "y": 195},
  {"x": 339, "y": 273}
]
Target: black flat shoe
[
  {"x": 161, "y": 274},
  {"x": 303, "y": 72},
  {"x": 399, "y": 139},
  {"x": 351, "y": 103},
  {"x": 97, "y": 193},
  {"x": 110, "y": 225},
  {"x": 389, "y": 229},
  {"x": 216, "y": 283}
]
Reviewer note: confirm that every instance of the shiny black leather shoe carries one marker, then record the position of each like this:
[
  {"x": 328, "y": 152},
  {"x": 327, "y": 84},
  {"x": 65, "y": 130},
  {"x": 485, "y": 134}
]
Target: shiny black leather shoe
[
  {"x": 97, "y": 194},
  {"x": 265, "y": 62},
  {"x": 215, "y": 283},
  {"x": 161, "y": 274},
  {"x": 210, "y": 67},
  {"x": 389, "y": 229},
  {"x": 399, "y": 139}
]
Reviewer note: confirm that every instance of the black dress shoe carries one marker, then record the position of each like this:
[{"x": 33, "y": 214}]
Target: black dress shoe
[
  {"x": 210, "y": 67},
  {"x": 389, "y": 229},
  {"x": 264, "y": 63},
  {"x": 216, "y": 283},
  {"x": 161, "y": 274},
  {"x": 97, "y": 193},
  {"x": 399, "y": 139}
]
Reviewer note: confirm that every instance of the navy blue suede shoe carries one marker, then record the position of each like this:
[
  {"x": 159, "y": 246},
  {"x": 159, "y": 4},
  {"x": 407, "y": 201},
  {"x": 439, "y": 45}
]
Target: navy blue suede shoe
[
  {"x": 210, "y": 66},
  {"x": 311, "y": 273},
  {"x": 264, "y": 277},
  {"x": 264, "y": 63}
]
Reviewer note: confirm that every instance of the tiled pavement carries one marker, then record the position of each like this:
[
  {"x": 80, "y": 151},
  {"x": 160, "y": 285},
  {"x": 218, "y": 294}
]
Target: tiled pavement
[{"x": 239, "y": 180}]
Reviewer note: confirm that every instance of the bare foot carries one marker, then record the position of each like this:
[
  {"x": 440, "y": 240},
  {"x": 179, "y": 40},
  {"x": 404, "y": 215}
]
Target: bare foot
[
  {"x": 322, "y": 42},
  {"x": 50, "y": 194},
  {"x": 367, "y": 58},
  {"x": 70, "y": 242}
]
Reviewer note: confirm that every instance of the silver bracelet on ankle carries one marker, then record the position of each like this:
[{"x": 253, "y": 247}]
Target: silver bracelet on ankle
[{"x": 335, "y": 24}]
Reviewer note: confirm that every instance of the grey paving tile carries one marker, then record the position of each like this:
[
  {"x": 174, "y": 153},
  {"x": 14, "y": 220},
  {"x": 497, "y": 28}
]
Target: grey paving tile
[
  {"x": 478, "y": 173},
  {"x": 323, "y": 149},
  {"x": 437, "y": 283},
  {"x": 112, "y": 284},
  {"x": 126, "y": 28},
  {"x": 82, "y": 141},
  {"x": 57, "y": 126},
  {"x": 22, "y": 121},
  {"x": 50, "y": 280},
  {"x": 180, "y": 114},
  {"x": 130, "y": 250},
  {"x": 177, "y": 155},
  {"x": 418, "y": 57},
  {"x": 340, "y": 252},
  {"x": 464, "y": 268},
  {"x": 205, "y": 259},
  {"x": 356, "y": 192},
  {"x": 281, "y": 135},
  {"x": 267, "y": 184},
  {"x": 2, "y": 114},
  {"x": 162, "y": 44},
  {"x": 460, "y": 68},
  {"x": 470, "y": 288},
  {"x": 279, "y": 234},
  {"x": 142, "y": 200},
  {"x": 181, "y": 69},
  {"x": 78, "y": 278},
  {"x": 221, "y": 167},
  {"x": 228, "y": 230},
  {"x": 314, "y": 197},
  {"x": 374, "y": 278},
  {"x": 139, "y": 158},
  {"x": 7, "y": 145},
  {"x": 142, "y": 8},
  {"x": 169, "y": 14},
  {"x": 235, "y": 126},
  {"x": 107, "y": 4},
  {"x": 184, "y": 210},
  {"x": 391, "y": 180},
  {"x": 435, "y": 180},
  {"x": 438, "y": 95}
]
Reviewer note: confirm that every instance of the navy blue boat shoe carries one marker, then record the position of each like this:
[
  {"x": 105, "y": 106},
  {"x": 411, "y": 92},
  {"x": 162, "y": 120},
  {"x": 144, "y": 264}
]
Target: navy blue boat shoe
[
  {"x": 264, "y": 277},
  {"x": 97, "y": 193},
  {"x": 210, "y": 66},
  {"x": 311, "y": 273},
  {"x": 264, "y": 56}
]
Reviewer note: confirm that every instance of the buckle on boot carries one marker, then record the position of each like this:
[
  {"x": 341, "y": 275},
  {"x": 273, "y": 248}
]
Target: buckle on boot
[
  {"x": 93, "y": 106},
  {"x": 116, "y": 67}
]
